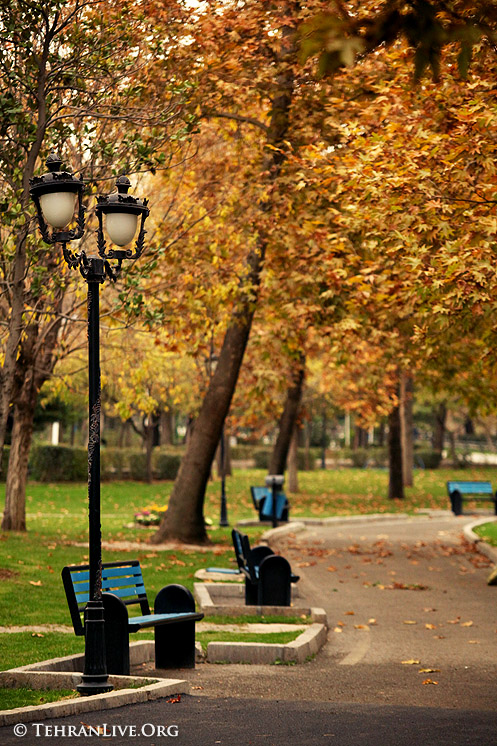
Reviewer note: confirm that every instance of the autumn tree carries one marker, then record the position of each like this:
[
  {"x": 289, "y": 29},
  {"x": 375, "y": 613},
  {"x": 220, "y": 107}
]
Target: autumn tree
[{"x": 72, "y": 77}]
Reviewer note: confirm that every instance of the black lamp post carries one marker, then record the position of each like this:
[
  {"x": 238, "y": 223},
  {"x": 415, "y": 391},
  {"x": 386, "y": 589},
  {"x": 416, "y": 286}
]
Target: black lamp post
[
  {"x": 55, "y": 195},
  {"x": 212, "y": 362}
]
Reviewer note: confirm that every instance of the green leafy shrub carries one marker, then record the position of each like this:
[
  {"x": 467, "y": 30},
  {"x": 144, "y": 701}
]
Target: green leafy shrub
[
  {"x": 362, "y": 457},
  {"x": 166, "y": 465},
  {"x": 262, "y": 457},
  {"x": 49, "y": 463},
  {"x": 114, "y": 463},
  {"x": 427, "y": 459},
  {"x": 138, "y": 466}
]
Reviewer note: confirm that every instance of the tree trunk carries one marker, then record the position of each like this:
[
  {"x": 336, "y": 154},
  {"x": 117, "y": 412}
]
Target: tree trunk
[
  {"x": 395, "y": 481},
  {"x": 17, "y": 472},
  {"x": 293, "y": 480},
  {"x": 288, "y": 419},
  {"x": 407, "y": 426},
  {"x": 148, "y": 437},
  {"x": 184, "y": 520},
  {"x": 167, "y": 427},
  {"x": 16, "y": 325},
  {"x": 440, "y": 419},
  {"x": 225, "y": 469},
  {"x": 34, "y": 365}
]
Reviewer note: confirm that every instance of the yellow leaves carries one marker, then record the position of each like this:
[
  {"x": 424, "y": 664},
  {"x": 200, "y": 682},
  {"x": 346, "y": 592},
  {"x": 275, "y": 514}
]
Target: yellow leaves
[
  {"x": 429, "y": 670},
  {"x": 36, "y": 583},
  {"x": 430, "y": 681},
  {"x": 411, "y": 662}
]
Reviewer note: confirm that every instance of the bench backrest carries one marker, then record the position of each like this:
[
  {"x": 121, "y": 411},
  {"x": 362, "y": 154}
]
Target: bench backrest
[
  {"x": 470, "y": 488},
  {"x": 258, "y": 493},
  {"x": 281, "y": 504},
  {"x": 123, "y": 579},
  {"x": 238, "y": 546}
]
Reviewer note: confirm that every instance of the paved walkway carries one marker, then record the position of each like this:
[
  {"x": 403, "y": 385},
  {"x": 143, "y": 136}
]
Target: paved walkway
[{"x": 411, "y": 656}]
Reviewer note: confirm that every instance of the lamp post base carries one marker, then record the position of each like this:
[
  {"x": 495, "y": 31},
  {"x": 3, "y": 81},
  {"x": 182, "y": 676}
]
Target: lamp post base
[
  {"x": 94, "y": 685},
  {"x": 95, "y": 679}
]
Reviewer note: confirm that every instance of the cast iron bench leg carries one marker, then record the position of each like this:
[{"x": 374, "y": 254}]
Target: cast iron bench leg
[
  {"x": 116, "y": 635},
  {"x": 456, "y": 500},
  {"x": 250, "y": 593},
  {"x": 175, "y": 642}
]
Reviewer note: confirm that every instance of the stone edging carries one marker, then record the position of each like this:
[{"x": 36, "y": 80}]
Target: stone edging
[
  {"x": 483, "y": 547},
  {"x": 62, "y": 673},
  {"x": 308, "y": 643}
]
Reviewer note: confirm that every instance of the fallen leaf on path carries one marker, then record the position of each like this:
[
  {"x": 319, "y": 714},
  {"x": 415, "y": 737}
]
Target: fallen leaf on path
[
  {"x": 454, "y": 621},
  {"x": 430, "y": 626},
  {"x": 411, "y": 662},
  {"x": 331, "y": 568},
  {"x": 371, "y": 621},
  {"x": 466, "y": 624},
  {"x": 349, "y": 613},
  {"x": 338, "y": 629},
  {"x": 474, "y": 642},
  {"x": 361, "y": 626},
  {"x": 409, "y": 621},
  {"x": 429, "y": 670},
  {"x": 430, "y": 681}
]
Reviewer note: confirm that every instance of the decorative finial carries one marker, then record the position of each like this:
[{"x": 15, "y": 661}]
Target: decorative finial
[
  {"x": 123, "y": 184},
  {"x": 53, "y": 162}
]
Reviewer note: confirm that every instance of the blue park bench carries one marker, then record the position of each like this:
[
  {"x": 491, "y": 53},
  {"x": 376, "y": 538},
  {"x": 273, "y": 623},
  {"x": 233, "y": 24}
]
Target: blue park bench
[
  {"x": 123, "y": 586},
  {"x": 268, "y": 577},
  {"x": 270, "y": 501},
  {"x": 462, "y": 490}
]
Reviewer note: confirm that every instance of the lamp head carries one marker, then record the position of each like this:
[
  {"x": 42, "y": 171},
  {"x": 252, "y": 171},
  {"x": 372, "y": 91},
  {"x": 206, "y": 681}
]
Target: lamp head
[
  {"x": 121, "y": 212},
  {"x": 55, "y": 194}
]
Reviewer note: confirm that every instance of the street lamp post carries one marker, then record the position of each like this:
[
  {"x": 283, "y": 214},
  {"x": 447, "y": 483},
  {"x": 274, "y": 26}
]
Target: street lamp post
[{"x": 55, "y": 195}]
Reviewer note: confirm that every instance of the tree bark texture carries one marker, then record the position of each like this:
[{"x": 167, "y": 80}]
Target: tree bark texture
[
  {"x": 288, "y": 419},
  {"x": 293, "y": 478},
  {"x": 439, "y": 427},
  {"x": 407, "y": 427},
  {"x": 33, "y": 367},
  {"x": 395, "y": 477}
]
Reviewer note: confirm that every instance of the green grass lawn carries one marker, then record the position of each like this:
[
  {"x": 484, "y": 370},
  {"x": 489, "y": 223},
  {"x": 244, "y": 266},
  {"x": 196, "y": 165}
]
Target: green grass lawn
[
  {"x": 30, "y": 563},
  {"x": 22, "y": 697},
  {"x": 488, "y": 532},
  {"x": 31, "y": 590}
]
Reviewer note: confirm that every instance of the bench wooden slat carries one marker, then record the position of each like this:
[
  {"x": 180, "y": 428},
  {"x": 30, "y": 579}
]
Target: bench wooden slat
[
  {"x": 152, "y": 620},
  {"x": 471, "y": 488},
  {"x": 83, "y": 594}
]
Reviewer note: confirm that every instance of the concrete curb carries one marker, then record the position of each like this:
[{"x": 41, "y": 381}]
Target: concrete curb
[
  {"x": 228, "y": 599},
  {"x": 303, "y": 523},
  {"x": 308, "y": 643},
  {"x": 483, "y": 547},
  {"x": 66, "y": 673}
]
